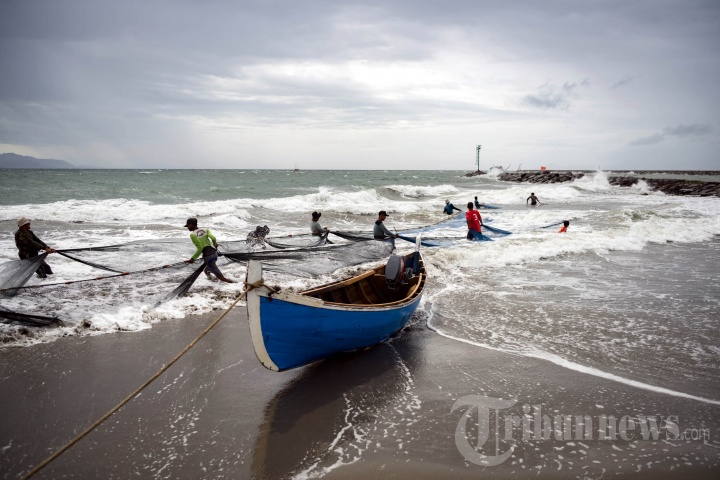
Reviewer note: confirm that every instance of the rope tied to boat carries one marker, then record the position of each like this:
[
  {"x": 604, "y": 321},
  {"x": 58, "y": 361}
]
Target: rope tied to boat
[
  {"x": 259, "y": 284},
  {"x": 162, "y": 370}
]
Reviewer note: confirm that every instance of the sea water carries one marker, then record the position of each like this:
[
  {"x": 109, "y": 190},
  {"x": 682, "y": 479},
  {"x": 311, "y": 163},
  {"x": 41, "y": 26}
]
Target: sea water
[{"x": 631, "y": 292}]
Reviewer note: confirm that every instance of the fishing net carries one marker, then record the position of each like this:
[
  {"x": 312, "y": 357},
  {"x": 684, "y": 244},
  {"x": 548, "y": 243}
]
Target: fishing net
[
  {"x": 131, "y": 282},
  {"x": 497, "y": 231},
  {"x": 450, "y": 222},
  {"x": 183, "y": 288},
  {"x": 280, "y": 243},
  {"x": 76, "y": 301},
  {"x": 16, "y": 273},
  {"x": 14, "y": 318},
  {"x": 428, "y": 240},
  {"x": 133, "y": 256},
  {"x": 297, "y": 242},
  {"x": 313, "y": 262},
  {"x": 150, "y": 272}
]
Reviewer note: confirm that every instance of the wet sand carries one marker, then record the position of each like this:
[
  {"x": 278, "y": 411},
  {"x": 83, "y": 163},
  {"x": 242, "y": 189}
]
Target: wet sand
[{"x": 384, "y": 411}]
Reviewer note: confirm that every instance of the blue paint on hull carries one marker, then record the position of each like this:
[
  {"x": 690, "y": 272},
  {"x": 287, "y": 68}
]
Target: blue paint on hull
[{"x": 295, "y": 335}]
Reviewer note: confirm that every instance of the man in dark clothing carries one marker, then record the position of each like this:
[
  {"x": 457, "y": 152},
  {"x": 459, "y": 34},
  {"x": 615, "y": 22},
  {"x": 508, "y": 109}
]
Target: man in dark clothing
[
  {"x": 29, "y": 246},
  {"x": 380, "y": 232},
  {"x": 256, "y": 238},
  {"x": 449, "y": 207}
]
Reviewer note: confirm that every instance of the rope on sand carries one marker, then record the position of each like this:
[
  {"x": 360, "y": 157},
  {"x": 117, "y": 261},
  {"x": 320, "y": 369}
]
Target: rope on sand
[{"x": 242, "y": 295}]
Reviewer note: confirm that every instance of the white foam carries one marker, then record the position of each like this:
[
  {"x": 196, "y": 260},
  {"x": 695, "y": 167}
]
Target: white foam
[
  {"x": 415, "y": 191},
  {"x": 604, "y": 218},
  {"x": 579, "y": 368}
]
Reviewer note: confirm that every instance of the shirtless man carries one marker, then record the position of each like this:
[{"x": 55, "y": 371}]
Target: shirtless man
[{"x": 533, "y": 200}]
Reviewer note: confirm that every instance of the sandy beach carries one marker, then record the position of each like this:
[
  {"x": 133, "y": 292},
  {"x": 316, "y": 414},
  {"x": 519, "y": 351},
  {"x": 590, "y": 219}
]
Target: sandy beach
[{"x": 384, "y": 411}]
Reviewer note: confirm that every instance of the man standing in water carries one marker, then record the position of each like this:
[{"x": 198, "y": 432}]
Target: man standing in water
[
  {"x": 206, "y": 244},
  {"x": 449, "y": 207},
  {"x": 477, "y": 204},
  {"x": 379, "y": 230},
  {"x": 29, "y": 246},
  {"x": 474, "y": 222},
  {"x": 315, "y": 228},
  {"x": 563, "y": 229},
  {"x": 533, "y": 200}
]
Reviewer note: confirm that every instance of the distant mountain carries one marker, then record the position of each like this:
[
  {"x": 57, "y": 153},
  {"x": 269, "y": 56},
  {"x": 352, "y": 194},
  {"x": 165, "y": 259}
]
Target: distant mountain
[{"x": 13, "y": 160}]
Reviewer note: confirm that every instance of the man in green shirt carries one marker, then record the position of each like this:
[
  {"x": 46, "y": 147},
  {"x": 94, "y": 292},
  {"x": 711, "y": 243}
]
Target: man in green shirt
[
  {"x": 206, "y": 244},
  {"x": 29, "y": 246}
]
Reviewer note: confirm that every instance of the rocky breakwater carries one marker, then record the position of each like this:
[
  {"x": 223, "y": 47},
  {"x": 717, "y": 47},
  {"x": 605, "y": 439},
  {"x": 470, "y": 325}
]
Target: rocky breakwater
[{"x": 668, "y": 186}]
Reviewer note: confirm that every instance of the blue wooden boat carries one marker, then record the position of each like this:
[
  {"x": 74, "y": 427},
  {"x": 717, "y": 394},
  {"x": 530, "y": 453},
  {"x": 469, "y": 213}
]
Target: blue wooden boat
[{"x": 293, "y": 329}]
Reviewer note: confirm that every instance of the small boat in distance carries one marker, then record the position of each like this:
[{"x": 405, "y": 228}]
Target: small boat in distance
[{"x": 290, "y": 330}]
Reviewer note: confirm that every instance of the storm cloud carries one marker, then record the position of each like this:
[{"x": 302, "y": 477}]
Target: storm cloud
[
  {"x": 392, "y": 84},
  {"x": 682, "y": 131}
]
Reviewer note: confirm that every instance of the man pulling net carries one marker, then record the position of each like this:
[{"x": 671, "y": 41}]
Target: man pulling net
[
  {"x": 29, "y": 246},
  {"x": 206, "y": 244}
]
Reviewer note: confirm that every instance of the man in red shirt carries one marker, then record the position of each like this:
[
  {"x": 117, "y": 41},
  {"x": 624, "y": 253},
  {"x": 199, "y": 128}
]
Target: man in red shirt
[{"x": 474, "y": 222}]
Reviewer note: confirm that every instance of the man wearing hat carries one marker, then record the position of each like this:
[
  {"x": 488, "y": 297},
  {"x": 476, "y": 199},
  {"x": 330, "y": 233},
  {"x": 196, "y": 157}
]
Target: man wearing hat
[
  {"x": 315, "y": 228},
  {"x": 30, "y": 245},
  {"x": 449, "y": 207},
  {"x": 379, "y": 230},
  {"x": 206, "y": 244}
]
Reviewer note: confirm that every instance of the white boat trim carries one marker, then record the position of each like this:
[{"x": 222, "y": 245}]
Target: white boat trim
[{"x": 254, "y": 274}]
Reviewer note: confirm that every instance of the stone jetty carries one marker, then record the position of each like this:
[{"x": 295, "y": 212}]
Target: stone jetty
[{"x": 668, "y": 186}]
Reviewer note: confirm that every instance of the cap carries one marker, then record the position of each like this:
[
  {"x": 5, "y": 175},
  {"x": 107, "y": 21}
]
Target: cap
[
  {"x": 382, "y": 212},
  {"x": 23, "y": 221},
  {"x": 191, "y": 221}
]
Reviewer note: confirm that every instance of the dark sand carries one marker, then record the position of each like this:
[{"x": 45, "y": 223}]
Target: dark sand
[{"x": 384, "y": 412}]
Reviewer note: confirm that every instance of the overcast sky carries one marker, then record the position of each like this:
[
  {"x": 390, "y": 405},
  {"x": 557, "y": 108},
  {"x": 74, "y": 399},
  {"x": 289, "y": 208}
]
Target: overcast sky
[{"x": 409, "y": 84}]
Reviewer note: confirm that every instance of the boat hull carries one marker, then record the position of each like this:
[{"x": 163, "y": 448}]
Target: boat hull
[
  {"x": 289, "y": 330},
  {"x": 294, "y": 335}
]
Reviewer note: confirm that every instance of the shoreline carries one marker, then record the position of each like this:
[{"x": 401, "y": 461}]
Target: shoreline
[{"x": 386, "y": 410}]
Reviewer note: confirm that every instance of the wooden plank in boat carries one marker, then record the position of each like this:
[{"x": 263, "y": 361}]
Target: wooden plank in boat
[
  {"x": 388, "y": 304},
  {"x": 337, "y": 285}
]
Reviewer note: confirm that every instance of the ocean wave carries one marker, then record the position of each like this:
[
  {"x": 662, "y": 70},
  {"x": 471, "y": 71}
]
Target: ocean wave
[{"x": 415, "y": 191}]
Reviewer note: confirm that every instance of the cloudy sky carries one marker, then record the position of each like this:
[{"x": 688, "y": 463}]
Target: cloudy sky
[{"x": 406, "y": 84}]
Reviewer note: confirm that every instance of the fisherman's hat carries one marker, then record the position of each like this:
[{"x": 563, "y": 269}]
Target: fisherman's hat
[{"x": 23, "y": 221}]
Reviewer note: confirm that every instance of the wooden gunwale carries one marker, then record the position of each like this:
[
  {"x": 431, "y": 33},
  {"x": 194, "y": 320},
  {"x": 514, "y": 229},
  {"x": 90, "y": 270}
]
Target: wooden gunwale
[
  {"x": 410, "y": 295},
  {"x": 341, "y": 284}
]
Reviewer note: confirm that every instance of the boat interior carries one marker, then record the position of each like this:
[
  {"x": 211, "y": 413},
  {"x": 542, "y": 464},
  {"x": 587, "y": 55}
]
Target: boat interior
[{"x": 371, "y": 289}]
